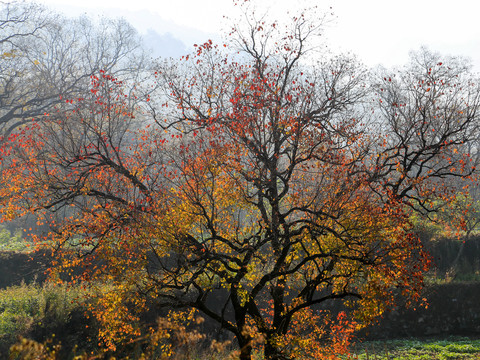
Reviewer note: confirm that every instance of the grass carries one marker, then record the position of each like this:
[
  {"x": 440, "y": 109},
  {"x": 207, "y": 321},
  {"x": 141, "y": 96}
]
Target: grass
[
  {"x": 452, "y": 348},
  {"x": 419, "y": 349}
]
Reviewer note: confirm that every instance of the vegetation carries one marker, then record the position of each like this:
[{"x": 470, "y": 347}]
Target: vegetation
[
  {"x": 40, "y": 312},
  {"x": 13, "y": 242},
  {"x": 416, "y": 349},
  {"x": 454, "y": 259},
  {"x": 407, "y": 349},
  {"x": 45, "y": 59},
  {"x": 266, "y": 181}
]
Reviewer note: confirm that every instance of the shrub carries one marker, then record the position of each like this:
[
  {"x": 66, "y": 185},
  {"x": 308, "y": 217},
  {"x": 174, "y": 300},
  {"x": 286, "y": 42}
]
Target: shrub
[{"x": 12, "y": 242}]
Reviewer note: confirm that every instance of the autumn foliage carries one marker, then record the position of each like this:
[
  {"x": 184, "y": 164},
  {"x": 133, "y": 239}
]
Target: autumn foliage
[{"x": 282, "y": 183}]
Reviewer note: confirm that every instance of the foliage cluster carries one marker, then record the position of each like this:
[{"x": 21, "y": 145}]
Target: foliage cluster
[{"x": 460, "y": 218}]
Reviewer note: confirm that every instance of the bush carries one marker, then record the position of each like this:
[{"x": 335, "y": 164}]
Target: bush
[{"x": 12, "y": 242}]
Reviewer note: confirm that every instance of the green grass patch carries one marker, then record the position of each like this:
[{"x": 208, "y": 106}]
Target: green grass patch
[{"x": 444, "y": 349}]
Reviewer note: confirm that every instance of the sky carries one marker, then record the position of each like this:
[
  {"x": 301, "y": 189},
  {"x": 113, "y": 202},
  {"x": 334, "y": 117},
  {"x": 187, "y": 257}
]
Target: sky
[{"x": 377, "y": 31}]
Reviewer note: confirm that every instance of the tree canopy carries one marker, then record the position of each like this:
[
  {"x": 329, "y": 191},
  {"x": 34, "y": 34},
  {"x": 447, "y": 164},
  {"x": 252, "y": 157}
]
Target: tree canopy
[{"x": 282, "y": 183}]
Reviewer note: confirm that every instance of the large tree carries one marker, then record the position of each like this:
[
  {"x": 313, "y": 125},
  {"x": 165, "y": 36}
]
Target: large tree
[{"x": 263, "y": 176}]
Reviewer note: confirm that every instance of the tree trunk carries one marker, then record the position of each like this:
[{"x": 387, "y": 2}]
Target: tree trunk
[
  {"x": 453, "y": 268},
  {"x": 245, "y": 344},
  {"x": 272, "y": 352}
]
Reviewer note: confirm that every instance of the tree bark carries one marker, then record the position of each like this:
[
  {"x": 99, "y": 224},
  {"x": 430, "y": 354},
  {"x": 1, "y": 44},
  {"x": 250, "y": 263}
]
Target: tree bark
[
  {"x": 245, "y": 344},
  {"x": 272, "y": 352}
]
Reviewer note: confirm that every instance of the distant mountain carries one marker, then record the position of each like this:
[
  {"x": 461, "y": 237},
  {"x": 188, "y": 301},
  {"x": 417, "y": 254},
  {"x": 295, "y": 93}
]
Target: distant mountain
[{"x": 165, "y": 45}]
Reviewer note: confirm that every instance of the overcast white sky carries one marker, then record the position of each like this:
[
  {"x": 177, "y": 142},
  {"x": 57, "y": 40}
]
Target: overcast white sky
[{"x": 378, "y": 31}]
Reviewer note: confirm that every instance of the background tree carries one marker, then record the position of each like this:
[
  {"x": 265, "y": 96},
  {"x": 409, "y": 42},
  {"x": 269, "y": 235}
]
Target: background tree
[
  {"x": 261, "y": 176},
  {"x": 429, "y": 112},
  {"x": 20, "y": 20},
  {"x": 47, "y": 59}
]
